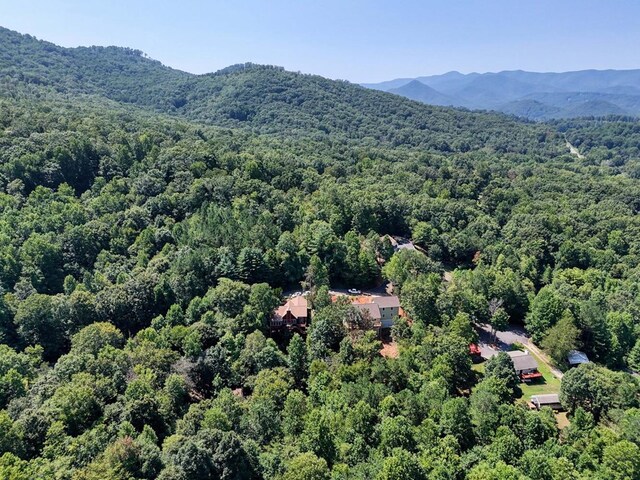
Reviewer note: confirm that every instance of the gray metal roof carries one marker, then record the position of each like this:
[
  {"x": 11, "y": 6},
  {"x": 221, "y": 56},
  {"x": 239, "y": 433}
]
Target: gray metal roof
[
  {"x": 548, "y": 399},
  {"x": 577, "y": 357}
]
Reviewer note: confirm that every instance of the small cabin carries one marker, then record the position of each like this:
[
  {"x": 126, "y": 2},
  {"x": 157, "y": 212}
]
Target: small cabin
[
  {"x": 525, "y": 365},
  {"x": 551, "y": 400},
  {"x": 400, "y": 243}
]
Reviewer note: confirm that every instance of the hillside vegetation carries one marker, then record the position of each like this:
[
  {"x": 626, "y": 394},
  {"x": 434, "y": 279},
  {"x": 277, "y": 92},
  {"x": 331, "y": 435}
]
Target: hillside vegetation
[
  {"x": 264, "y": 99},
  {"x": 149, "y": 219}
]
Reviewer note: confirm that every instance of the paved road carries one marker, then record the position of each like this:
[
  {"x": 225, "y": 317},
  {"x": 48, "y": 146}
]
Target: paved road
[
  {"x": 515, "y": 334},
  {"x": 384, "y": 288},
  {"x": 504, "y": 340}
]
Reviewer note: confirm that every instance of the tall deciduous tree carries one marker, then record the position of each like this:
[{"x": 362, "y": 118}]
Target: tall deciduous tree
[
  {"x": 561, "y": 339},
  {"x": 546, "y": 310},
  {"x": 419, "y": 297},
  {"x": 297, "y": 359}
]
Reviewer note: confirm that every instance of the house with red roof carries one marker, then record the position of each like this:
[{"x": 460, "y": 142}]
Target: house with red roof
[{"x": 293, "y": 315}]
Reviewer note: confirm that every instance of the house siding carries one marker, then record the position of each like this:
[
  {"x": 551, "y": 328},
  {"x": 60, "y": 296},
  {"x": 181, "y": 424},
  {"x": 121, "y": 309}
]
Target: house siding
[{"x": 387, "y": 314}]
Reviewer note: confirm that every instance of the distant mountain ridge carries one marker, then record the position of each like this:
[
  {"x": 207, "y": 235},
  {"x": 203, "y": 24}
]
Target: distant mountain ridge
[
  {"x": 260, "y": 99},
  {"x": 416, "y": 90},
  {"x": 533, "y": 95}
]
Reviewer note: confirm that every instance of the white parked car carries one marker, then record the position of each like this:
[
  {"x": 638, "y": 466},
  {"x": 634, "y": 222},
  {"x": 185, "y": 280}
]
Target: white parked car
[{"x": 354, "y": 291}]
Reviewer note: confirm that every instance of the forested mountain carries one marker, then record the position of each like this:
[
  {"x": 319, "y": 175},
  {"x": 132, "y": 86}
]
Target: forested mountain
[
  {"x": 150, "y": 218},
  {"x": 262, "y": 98},
  {"x": 532, "y": 95}
]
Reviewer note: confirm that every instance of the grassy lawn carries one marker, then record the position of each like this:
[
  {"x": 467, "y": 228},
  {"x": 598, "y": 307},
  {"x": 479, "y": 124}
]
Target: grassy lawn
[
  {"x": 478, "y": 367},
  {"x": 548, "y": 384}
]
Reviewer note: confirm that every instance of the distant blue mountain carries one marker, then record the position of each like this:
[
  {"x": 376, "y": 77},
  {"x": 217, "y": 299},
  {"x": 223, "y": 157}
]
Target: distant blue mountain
[
  {"x": 423, "y": 93},
  {"x": 533, "y": 95}
]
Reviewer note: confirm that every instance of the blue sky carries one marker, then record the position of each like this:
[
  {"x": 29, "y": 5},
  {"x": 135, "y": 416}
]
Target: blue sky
[{"x": 358, "y": 40}]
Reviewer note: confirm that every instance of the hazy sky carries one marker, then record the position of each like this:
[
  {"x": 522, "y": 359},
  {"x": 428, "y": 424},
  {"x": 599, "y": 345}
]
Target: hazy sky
[{"x": 358, "y": 40}]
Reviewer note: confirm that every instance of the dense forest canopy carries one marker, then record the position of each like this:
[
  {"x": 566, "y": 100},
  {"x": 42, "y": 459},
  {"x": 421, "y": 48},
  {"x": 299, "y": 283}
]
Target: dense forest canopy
[{"x": 150, "y": 218}]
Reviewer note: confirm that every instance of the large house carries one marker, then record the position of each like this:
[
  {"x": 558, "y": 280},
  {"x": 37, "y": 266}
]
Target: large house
[
  {"x": 372, "y": 311},
  {"x": 293, "y": 315},
  {"x": 389, "y": 309},
  {"x": 525, "y": 365},
  {"x": 382, "y": 310}
]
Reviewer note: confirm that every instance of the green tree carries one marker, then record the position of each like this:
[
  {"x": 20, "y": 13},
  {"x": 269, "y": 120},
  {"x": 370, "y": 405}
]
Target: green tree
[
  {"x": 498, "y": 319},
  {"x": 630, "y": 425},
  {"x": 462, "y": 326},
  {"x": 319, "y": 436},
  {"x": 326, "y": 331},
  {"x": 401, "y": 465},
  {"x": 259, "y": 353},
  {"x": 10, "y": 435},
  {"x": 42, "y": 262},
  {"x": 75, "y": 404},
  {"x": 396, "y": 432},
  {"x": 455, "y": 421},
  {"x": 316, "y": 274},
  {"x": 621, "y": 461},
  {"x": 263, "y": 300},
  {"x": 39, "y": 324},
  {"x": 546, "y": 310},
  {"x": 495, "y": 471},
  {"x": 297, "y": 359},
  {"x": 406, "y": 264},
  {"x": 597, "y": 389},
  {"x": 95, "y": 337},
  {"x": 561, "y": 339},
  {"x": 419, "y": 297},
  {"x": 596, "y": 336},
  {"x": 484, "y": 408},
  {"x": 294, "y": 413},
  {"x": 306, "y": 466},
  {"x": 634, "y": 357},
  {"x": 501, "y": 368}
]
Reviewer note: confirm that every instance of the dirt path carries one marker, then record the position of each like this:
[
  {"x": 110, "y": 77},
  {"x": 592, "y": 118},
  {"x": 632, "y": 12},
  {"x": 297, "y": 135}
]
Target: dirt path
[
  {"x": 573, "y": 150},
  {"x": 543, "y": 356},
  {"x": 389, "y": 350}
]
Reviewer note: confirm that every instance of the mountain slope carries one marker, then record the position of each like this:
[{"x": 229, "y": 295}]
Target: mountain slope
[
  {"x": 263, "y": 99},
  {"x": 530, "y": 108},
  {"x": 488, "y": 91},
  {"x": 106, "y": 71},
  {"x": 420, "y": 92},
  {"x": 148, "y": 228}
]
